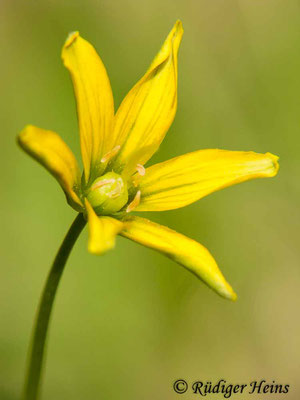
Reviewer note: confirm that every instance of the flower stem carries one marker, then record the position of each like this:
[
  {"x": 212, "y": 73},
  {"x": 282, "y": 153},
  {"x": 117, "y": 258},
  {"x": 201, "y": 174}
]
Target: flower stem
[{"x": 33, "y": 377}]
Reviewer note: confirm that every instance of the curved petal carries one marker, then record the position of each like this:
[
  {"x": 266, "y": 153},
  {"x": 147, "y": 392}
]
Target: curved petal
[
  {"x": 51, "y": 151},
  {"x": 102, "y": 231},
  {"x": 94, "y": 100},
  {"x": 182, "y": 180},
  {"x": 186, "y": 252},
  {"x": 149, "y": 108}
]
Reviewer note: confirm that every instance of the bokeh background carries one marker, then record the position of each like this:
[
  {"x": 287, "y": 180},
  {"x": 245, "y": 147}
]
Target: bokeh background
[{"x": 127, "y": 324}]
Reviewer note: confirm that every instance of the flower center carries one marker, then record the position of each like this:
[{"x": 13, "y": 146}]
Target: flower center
[{"x": 108, "y": 194}]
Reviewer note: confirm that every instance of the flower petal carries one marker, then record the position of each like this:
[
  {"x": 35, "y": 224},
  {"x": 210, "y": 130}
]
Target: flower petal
[
  {"x": 182, "y": 180},
  {"x": 51, "y": 151},
  {"x": 149, "y": 108},
  {"x": 186, "y": 252},
  {"x": 94, "y": 99},
  {"x": 102, "y": 231}
]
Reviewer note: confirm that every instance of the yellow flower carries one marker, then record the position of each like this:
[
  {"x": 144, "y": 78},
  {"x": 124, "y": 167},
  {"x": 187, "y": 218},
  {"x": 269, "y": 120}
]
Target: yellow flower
[{"x": 115, "y": 148}]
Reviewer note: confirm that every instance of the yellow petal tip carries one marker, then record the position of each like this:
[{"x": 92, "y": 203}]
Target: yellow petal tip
[
  {"x": 21, "y": 135},
  {"x": 226, "y": 291},
  {"x": 178, "y": 26},
  {"x": 275, "y": 163},
  {"x": 24, "y": 136},
  {"x": 233, "y": 296},
  {"x": 100, "y": 249},
  {"x": 71, "y": 38},
  {"x": 177, "y": 32}
]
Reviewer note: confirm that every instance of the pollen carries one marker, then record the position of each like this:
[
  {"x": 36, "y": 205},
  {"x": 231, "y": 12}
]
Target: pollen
[
  {"x": 135, "y": 202},
  {"x": 108, "y": 156}
]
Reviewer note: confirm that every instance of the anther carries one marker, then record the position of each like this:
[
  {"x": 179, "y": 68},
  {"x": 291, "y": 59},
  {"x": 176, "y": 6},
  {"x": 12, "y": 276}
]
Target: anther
[
  {"x": 140, "y": 169},
  {"x": 135, "y": 202},
  {"x": 108, "y": 156}
]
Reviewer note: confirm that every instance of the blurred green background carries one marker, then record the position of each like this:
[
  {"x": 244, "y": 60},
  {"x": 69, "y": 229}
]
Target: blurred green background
[{"x": 127, "y": 324}]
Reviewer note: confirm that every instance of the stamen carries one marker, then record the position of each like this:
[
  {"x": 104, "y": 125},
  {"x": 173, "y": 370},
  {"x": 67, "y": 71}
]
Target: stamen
[
  {"x": 140, "y": 169},
  {"x": 108, "y": 156},
  {"x": 135, "y": 202},
  {"x": 102, "y": 183}
]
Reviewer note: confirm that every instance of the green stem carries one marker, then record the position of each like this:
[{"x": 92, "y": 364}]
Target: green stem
[{"x": 32, "y": 383}]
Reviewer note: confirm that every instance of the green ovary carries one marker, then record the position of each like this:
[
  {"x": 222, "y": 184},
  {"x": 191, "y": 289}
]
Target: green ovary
[{"x": 108, "y": 194}]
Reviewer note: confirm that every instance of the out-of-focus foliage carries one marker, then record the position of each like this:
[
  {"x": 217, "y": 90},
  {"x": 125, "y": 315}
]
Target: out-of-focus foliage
[{"x": 128, "y": 324}]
